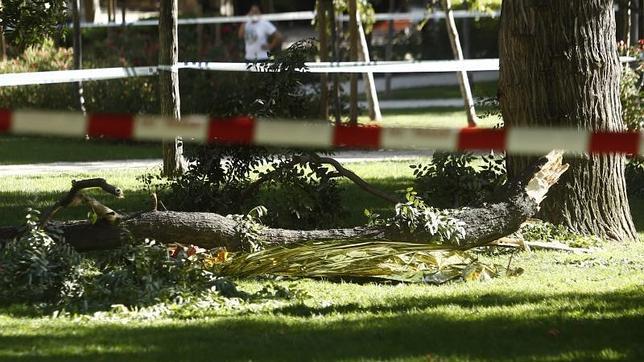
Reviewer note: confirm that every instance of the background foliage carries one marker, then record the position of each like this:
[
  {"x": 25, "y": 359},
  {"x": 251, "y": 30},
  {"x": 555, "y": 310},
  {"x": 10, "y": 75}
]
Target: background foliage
[{"x": 27, "y": 22}]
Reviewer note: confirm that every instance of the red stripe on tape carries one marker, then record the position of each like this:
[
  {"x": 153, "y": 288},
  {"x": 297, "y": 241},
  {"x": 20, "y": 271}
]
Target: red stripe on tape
[
  {"x": 238, "y": 130},
  {"x": 358, "y": 137},
  {"x": 118, "y": 126},
  {"x": 481, "y": 139},
  {"x": 5, "y": 120},
  {"x": 615, "y": 142}
]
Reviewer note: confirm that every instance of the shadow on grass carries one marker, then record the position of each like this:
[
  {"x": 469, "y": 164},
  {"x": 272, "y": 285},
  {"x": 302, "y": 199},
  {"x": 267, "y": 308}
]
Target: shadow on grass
[
  {"x": 455, "y": 331},
  {"x": 619, "y": 302}
]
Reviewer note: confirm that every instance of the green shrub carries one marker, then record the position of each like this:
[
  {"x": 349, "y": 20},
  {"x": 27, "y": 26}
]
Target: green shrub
[
  {"x": 130, "y": 95},
  {"x": 455, "y": 179},
  {"x": 40, "y": 267},
  {"x": 221, "y": 178},
  {"x": 632, "y": 99},
  {"x": 37, "y": 267},
  {"x": 39, "y": 58},
  {"x": 27, "y": 22}
]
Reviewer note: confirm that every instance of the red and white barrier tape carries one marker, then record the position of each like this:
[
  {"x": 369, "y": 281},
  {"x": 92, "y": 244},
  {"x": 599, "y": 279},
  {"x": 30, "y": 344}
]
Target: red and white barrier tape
[{"x": 245, "y": 130}]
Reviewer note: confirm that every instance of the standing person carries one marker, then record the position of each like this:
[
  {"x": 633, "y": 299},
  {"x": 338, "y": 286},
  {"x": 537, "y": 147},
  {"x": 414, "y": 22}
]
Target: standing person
[{"x": 260, "y": 36}]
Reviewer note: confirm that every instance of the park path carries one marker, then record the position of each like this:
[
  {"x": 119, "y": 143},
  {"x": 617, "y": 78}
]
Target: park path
[{"x": 78, "y": 167}]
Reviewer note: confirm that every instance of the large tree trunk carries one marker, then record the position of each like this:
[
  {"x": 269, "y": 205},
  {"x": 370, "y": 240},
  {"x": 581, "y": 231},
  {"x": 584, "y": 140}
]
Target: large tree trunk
[
  {"x": 482, "y": 225},
  {"x": 463, "y": 80},
  {"x": 559, "y": 67},
  {"x": 173, "y": 161}
]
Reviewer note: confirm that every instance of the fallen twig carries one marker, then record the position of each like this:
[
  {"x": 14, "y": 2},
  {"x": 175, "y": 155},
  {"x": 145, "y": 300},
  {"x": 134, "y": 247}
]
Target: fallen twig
[{"x": 554, "y": 245}]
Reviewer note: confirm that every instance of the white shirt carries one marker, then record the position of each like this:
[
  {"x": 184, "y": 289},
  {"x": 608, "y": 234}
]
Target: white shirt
[{"x": 256, "y": 35}]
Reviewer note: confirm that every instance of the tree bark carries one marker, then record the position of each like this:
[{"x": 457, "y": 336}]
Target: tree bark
[
  {"x": 78, "y": 51},
  {"x": 123, "y": 11},
  {"x": 640, "y": 30},
  {"x": 88, "y": 12},
  {"x": 353, "y": 40},
  {"x": 626, "y": 21},
  {"x": 463, "y": 81},
  {"x": 482, "y": 225},
  {"x": 323, "y": 26},
  {"x": 173, "y": 161},
  {"x": 3, "y": 44},
  {"x": 389, "y": 49},
  {"x": 559, "y": 67},
  {"x": 336, "y": 77}
]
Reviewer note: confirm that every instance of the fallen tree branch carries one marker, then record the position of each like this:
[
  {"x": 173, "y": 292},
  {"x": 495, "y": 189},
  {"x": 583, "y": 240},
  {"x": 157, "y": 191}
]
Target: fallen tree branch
[
  {"x": 483, "y": 225},
  {"x": 73, "y": 197},
  {"x": 552, "y": 245},
  {"x": 318, "y": 160},
  {"x": 364, "y": 185}
]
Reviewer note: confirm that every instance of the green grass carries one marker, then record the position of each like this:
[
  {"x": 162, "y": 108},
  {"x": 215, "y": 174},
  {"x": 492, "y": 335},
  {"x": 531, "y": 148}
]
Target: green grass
[
  {"x": 17, "y": 193},
  {"x": 432, "y": 117},
  {"x": 480, "y": 89},
  {"x": 565, "y": 307},
  {"x": 23, "y": 150}
]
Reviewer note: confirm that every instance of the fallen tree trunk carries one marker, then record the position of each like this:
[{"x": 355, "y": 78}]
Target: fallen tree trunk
[{"x": 482, "y": 225}]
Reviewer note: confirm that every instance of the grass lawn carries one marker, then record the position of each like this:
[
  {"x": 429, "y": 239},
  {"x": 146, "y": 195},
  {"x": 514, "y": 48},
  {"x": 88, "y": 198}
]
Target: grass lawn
[
  {"x": 479, "y": 90},
  {"x": 564, "y": 307}
]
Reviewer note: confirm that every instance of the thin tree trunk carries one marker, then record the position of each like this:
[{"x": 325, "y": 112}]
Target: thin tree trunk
[
  {"x": 78, "y": 51},
  {"x": 641, "y": 20},
  {"x": 353, "y": 40},
  {"x": 463, "y": 81},
  {"x": 336, "y": 77},
  {"x": 87, "y": 13},
  {"x": 559, "y": 67},
  {"x": 227, "y": 8},
  {"x": 323, "y": 26},
  {"x": 369, "y": 81},
  {"x": 626, "y": 21},
  {"x": 111, "y": 17},
  {"x": 635, "y": 24},
  {"x": 389, "y": 50},
  {"x": 123, "y": 12},
  {"x": 173, "y": 162},
  {"x": 3, "y": 44}
]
